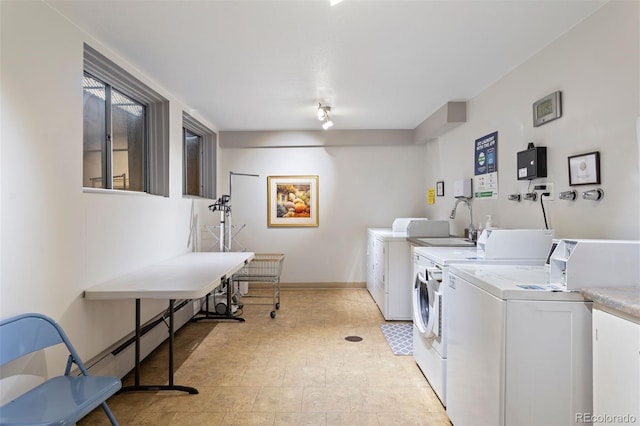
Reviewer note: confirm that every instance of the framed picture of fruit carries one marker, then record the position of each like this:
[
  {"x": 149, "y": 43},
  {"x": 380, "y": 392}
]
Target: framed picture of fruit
[{"x": 292, "y": 201}]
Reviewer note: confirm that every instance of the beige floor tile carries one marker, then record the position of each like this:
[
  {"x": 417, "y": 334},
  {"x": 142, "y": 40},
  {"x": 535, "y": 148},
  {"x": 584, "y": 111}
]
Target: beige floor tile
[
  {"x": 198, "y": 418},
  {"x": 352, "y": 419},
  {"x": 417, "y": 419},
  {"x": 372, "y": 400},
  {"x": 248, "y": 419},
  {"x": 304, "y": 376},
  {"x": 147, "y": 418},
  {"x": 231, "y": 398},
  {"x": 412, "y": 399},
  {"x": 300, "y": 419},
  {"x": 346, "y": 376},
  {"x": 317, "y": 399},
  {"x": 278, "y": 398},
  {"x": 264, "y": 376},
  {"x": 295, "y": 369}
]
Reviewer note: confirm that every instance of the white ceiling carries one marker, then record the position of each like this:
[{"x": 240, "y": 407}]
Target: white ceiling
[{"x": 265, "y": 65}]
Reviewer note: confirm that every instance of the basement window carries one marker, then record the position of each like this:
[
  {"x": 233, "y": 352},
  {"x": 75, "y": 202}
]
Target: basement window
[
  {"x": 125, "y": 130},
  {"x": 199, "y": 158}
]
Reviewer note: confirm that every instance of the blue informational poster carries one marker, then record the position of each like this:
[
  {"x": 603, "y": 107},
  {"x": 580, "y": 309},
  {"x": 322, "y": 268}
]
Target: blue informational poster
[{"x": 486, "y": 167}]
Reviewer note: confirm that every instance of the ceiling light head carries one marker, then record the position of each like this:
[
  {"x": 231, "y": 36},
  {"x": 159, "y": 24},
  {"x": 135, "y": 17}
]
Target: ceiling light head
[
  {"x": 323, "y": 111},
  {"x": 334, "y": 2},
  {"x": 327, "y": 124}
]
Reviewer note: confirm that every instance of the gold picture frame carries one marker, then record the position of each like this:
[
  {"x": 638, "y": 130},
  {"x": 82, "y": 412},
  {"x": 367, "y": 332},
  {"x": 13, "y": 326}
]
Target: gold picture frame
[{"x": 292, "y": 201}]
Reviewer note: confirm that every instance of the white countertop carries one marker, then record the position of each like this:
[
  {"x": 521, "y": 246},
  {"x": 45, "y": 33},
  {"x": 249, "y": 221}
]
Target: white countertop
[
  {"x": 388, "y": 233},
  {"x": 446, "y": 255},
  {"x": 442, "y": 242},
  {"x": 450, "y": 255},
  {"x": 504, "y": 281},
  {"x": 188, "y": 276}
]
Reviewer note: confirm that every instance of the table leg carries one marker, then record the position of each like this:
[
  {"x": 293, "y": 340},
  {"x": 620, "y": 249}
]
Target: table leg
[
  {"x": 137, "y": 386},
  {"x": 137, "y": 362}
]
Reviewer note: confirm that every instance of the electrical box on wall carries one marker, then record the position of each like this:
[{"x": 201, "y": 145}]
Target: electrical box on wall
[
  {"x": 532, "y": 163},
  {"x": 462, "y": 188}
]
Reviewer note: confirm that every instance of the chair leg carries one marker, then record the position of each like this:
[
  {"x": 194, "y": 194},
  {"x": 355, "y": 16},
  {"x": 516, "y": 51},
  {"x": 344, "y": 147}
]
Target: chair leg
[{"x": 109, "y": 414}]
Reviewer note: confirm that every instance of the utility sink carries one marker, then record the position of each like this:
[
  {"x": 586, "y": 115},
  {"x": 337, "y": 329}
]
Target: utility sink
[{"x": 446, "y": 242}]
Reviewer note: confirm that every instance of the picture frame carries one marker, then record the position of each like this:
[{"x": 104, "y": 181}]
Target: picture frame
[
  {"x": 584, "y": 169},
  {"x": 440, "y": 188},
  {"x": 292, "y": 201}
]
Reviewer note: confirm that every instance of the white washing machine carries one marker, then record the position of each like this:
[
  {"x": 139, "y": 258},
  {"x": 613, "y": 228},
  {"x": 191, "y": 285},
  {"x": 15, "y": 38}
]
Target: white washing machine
[
  {"x": 429, "y": 293},
  {"x": 519, "y": 351},
  {"x": 429, "y": 344}
]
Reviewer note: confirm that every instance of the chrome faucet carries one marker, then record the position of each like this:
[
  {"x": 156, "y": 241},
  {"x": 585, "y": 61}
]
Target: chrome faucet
[{"x": 453, "y": 215}]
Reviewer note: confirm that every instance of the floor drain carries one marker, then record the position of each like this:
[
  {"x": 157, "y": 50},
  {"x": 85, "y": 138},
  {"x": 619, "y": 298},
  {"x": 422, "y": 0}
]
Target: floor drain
[{"x": 353, "y": 338}]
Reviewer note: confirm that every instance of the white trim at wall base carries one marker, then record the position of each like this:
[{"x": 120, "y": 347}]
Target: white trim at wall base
[{"x": 311, "y": 286}]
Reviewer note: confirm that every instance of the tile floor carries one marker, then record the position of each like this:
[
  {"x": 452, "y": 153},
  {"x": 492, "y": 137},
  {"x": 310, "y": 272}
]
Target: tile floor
[{"x": 296, "y": 369}]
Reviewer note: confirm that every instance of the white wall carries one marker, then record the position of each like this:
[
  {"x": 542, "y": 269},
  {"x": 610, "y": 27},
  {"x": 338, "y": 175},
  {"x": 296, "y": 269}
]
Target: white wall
[
  {"x": 596, "y": 66},
  {"x": 358, "y": 188},
  {"x": 57, "y": 240}
]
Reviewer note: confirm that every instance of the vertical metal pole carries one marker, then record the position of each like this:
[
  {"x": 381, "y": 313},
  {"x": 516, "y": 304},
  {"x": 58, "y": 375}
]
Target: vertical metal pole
[
  {"x": 171, "y": 304},
  {"x": 222, "y": 227},
  {"x": 137, "y": 350},
  {"x": 107, "y": 175},
  {"x": 229, "y": 227}
]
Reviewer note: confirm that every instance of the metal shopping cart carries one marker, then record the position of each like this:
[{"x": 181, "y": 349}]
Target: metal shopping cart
[{"x": 264, "y": 268}]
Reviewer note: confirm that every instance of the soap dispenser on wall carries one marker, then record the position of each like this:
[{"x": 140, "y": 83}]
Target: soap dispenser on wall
[{"x": 488, "y": 223}]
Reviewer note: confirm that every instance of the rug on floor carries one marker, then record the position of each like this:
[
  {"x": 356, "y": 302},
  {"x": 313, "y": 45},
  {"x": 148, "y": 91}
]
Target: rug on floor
[{"x": 399, "y": 337}]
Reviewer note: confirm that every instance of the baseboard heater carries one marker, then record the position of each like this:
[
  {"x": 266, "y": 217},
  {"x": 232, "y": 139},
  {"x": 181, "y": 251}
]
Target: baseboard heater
[{"x": 119, "y": 359}]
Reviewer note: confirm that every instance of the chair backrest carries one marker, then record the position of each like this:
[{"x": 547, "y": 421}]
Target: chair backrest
[{"x": 27, "y": 333}]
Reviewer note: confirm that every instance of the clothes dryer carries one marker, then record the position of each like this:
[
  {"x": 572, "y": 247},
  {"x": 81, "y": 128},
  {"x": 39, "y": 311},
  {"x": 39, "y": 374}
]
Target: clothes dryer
[
  {"x": 429, "y": 292},
  {"x": 519, "y": 348}
]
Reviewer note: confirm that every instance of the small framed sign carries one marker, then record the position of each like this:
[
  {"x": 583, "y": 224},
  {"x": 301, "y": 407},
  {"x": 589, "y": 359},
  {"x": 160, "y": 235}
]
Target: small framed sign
[
  {"x": 584, "y": 169},
  {"x": 440, "y": 188},
  {"x": 547, "y": 109}
]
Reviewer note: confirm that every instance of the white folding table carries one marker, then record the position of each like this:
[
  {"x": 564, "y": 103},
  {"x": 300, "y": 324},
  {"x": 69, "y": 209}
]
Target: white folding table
[{"x": 188, "y": 276}]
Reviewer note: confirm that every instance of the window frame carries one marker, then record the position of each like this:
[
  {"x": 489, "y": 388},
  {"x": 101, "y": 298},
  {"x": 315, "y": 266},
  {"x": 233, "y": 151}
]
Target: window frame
[
  {"x": 107, "y": 162},
  {"x": 156, "y": 144},
  {"x": 207, "y": 157}
]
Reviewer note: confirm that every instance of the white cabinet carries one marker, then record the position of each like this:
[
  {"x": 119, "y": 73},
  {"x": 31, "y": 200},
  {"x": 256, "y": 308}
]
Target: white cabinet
[
  {"x": 616, "y": 368},
  {"x": 389, "y": 272}
]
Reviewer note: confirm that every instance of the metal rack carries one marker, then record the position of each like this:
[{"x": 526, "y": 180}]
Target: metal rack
[
  {"x": 264, "y": 268},
  {"x": 218, "y": 231}
]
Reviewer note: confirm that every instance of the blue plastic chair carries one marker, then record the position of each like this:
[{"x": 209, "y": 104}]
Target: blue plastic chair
[{"x": 61, "y": 400}]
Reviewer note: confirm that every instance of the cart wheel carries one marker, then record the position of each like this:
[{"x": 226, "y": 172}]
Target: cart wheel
[
  {"x": 277, "y": 306},
  {"x": 273, "y": 314}
]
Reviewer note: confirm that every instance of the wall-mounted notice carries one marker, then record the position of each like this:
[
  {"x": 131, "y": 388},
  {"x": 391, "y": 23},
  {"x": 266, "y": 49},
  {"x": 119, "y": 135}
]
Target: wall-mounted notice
[
  {"x": 431, "y": 196},
  {"x": 485, "y": 182}
]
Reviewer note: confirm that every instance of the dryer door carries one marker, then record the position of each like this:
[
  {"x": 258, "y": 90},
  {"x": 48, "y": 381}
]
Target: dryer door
[
  {"x": 424, "y": 306},
  {"x": 434, "y": 284}
]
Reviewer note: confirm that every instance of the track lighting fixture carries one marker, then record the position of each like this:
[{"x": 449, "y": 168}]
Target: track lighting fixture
[
  {"x": 323, "y": 111},
  {"x": 323, "y": 115}
]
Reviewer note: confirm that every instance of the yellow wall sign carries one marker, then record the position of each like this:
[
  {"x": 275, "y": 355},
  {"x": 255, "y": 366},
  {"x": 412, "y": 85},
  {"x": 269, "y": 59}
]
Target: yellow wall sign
[{"x": 431, "y": 196}]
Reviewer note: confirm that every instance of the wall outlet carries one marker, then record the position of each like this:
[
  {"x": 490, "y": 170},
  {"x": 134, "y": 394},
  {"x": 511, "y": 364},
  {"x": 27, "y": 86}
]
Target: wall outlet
[{"x": 548, "y": 187}]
